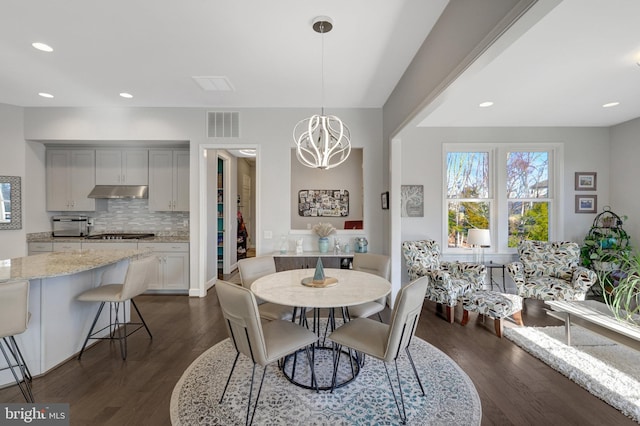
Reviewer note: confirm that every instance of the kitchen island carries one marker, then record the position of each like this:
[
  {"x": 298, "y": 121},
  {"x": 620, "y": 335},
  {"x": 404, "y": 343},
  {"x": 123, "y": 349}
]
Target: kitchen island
[{"x": 59, "y": 323}]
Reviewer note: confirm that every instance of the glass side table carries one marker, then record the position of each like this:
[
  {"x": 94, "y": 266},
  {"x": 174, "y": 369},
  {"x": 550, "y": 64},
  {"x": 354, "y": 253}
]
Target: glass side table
[{"x": 491, "y": 266}]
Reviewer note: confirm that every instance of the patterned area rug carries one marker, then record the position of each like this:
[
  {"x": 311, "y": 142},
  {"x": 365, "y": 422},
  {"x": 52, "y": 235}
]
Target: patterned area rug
[
  {"x": 608, "y": 370},
  {"x": 451, "y": 398}
]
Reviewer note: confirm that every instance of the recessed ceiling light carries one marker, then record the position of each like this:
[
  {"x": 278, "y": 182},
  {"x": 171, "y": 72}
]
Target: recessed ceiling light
[
  {"x": 45, "y": 95},
  {"x": 126, "y": 95},
  {"x": 610, "y": 104},
  {"x": 42, "y": 46},
  {"x": 248, "y": 152},
  {"x": 485, "y": 104}
]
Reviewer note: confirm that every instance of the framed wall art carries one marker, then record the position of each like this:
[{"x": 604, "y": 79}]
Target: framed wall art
[
  {"x": 323, "y": 202},
  {"x": 586, "y": 203},
  {"x": 412, "y": 197},
  {"x": 586, "y": 181},
  {"x": 384, "y": 199}
]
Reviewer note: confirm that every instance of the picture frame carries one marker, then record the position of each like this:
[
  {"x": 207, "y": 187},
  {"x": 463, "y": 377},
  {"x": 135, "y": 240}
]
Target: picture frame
[
  {"x": 586, "y": 203},
  {"x": 412, "y": 200},
  {"x": 384, "y": 198},
  {"x": 586, "y": 181}
]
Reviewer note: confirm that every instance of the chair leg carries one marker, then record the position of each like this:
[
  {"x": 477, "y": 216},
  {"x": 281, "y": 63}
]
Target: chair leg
[
  {"x": 255, "y": 405},
  {"x": 93, "y": 325},
  {"x": 450, "y": 314},
  {"x": 233, "y": 367},
  {"x": 517, "y": 316},
  {"x": 465, "y": 317},
  {"x": 415, "y": 371},
  {"x": 141, "y": 318},
  {"x": 498, "y": 325},
  {"x": 401, "y": 411},
  {"x": 24, "y": 384}
]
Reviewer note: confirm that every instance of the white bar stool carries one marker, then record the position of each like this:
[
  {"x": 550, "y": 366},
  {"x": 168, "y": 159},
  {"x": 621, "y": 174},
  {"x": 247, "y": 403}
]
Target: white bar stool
[{"x": 14, "y": 317}]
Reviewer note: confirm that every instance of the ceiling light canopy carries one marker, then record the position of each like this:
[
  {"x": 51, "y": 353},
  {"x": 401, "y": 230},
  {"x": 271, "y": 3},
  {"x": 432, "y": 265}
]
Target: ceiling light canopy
[
  {"x": 485, "y": 104},
  {"x": 45, "y": 95},
  {"x": 322, "y": 142},
  {"x": 610, "y": 104},
  {"x": 126, "y": 95}
]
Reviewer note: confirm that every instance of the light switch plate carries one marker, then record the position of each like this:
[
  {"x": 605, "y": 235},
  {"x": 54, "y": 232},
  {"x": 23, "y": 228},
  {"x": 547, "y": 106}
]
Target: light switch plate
[{"x": 268, "y": 235}]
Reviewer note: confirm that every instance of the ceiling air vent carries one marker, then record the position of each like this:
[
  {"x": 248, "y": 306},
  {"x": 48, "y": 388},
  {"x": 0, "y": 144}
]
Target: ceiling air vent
[{"x": 223, "y": 124}]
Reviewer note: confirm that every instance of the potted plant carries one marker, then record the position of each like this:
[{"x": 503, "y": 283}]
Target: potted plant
[{"x": 623, "y": 296}]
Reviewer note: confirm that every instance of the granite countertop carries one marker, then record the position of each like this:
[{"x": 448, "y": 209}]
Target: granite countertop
[
  {"x": 45, "y": 237},
  {"x": 55, "y": 264}
]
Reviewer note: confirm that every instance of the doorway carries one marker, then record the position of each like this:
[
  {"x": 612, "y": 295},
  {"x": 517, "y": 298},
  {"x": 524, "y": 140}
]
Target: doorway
[{"x": 239, "y": 194}]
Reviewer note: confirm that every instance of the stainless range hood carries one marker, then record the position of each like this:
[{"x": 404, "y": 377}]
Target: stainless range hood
[{"x": 119, "y": 191}]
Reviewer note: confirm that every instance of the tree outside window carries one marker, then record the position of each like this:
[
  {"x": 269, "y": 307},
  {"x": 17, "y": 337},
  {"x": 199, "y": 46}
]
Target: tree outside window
[
  {"x": 528, "y": 194},
  {"x": 468, "y": 202}
]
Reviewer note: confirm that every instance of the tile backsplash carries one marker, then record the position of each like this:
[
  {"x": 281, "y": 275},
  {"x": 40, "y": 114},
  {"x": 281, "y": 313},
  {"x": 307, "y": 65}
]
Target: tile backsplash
[{"x": 133, "y": 215}]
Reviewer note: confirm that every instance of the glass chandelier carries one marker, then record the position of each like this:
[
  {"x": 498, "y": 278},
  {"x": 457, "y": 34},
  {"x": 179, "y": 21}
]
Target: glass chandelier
[{"x": 322, "y": 141}]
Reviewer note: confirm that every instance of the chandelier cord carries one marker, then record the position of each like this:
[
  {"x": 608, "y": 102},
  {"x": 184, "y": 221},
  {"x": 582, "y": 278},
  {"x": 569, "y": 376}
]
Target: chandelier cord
[{"x": 322, "y": 68}]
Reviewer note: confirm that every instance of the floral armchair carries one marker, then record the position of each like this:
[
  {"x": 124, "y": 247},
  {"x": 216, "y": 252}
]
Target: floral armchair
[
  {"x": 447, "y": 280},
  {"x": 550, "y": 271}
]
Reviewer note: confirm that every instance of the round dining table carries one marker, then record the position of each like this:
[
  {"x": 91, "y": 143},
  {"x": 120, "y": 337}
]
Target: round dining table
[{"x": 351, "y": 288}]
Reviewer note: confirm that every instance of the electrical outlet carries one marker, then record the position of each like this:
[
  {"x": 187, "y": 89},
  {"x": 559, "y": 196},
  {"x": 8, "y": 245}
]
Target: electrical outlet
[{"x": 268, "y": 235}]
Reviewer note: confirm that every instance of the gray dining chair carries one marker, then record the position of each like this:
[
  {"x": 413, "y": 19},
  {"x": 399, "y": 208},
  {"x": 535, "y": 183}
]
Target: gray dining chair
[
  {"x": 14, "y": 317},
  {"x": 139, "y": 274},
  {"x": 383, "y": 341},
  {"x": 263, "y": 344},
  {"x": 372, "y": 263},
  {"x": 250, "y": 270}
]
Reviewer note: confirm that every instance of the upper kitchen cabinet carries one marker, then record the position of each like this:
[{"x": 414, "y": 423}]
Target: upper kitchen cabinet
[
  {"x": 70, "y": 178},
  {"x": 168, "y": 180},
  {"x": 122, "y": 167}
]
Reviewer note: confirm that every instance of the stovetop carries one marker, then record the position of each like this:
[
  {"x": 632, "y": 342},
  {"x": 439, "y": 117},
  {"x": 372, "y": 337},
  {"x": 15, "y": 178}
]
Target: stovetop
[{"x": 119, "y": 236}]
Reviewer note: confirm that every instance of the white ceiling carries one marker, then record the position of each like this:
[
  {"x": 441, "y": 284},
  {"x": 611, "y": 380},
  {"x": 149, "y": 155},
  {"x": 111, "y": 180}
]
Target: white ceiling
[
  {"x": 560, "y": 72},
  {"x": 153, "y": 48}
]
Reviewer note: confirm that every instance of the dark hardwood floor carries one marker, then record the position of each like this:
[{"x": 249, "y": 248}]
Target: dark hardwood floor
[{"x": 515, "y": 388}]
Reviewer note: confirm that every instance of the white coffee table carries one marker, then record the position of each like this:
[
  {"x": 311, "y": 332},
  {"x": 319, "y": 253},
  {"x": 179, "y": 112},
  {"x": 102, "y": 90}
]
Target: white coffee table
[{"x": 597, "y": 317}]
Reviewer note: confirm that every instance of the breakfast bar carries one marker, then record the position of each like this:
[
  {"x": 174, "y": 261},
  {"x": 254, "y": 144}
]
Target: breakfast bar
[{"x": 59, "y": 323}]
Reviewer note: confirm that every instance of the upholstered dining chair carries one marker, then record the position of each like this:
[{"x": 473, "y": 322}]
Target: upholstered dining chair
[
  {"x": 253, "y": 268},
  {"x": 139, "y": 274},
  {"x": 448, "y": 281},
  {"x": 383, "y": 341},
  {"x": 377, "y": 264},
  {"x": 14, "y": 317},
  {"x": 550, "y": 270},
  {"x": 263, "y": 344}
]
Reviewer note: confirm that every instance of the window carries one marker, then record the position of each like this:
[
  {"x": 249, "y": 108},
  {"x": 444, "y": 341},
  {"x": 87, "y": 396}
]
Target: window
[
  {"x": 468, "y": 202},
  {"x": 509, "y": 191},
  {"x": 528, "y": 195}
]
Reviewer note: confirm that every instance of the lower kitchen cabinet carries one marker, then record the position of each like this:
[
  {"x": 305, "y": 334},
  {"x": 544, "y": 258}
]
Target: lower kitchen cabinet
[
  {"x": 40, "y": 247},
  {"x": 173, "y": 266},
  {"x": 67, "y": 246}
]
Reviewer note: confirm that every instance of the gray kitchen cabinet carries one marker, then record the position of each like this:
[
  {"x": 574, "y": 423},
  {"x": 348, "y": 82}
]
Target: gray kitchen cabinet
[
  {"x": 70, "y": 178},
  {"x": 111, "y": 245},
  {"x": 173, "y": 266},
  {"x": 122, "y": 167},
  {"x": 39, "y": 247},
  {"x": 168, "y": 180},
  {"x": 67, "y": 246}
]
